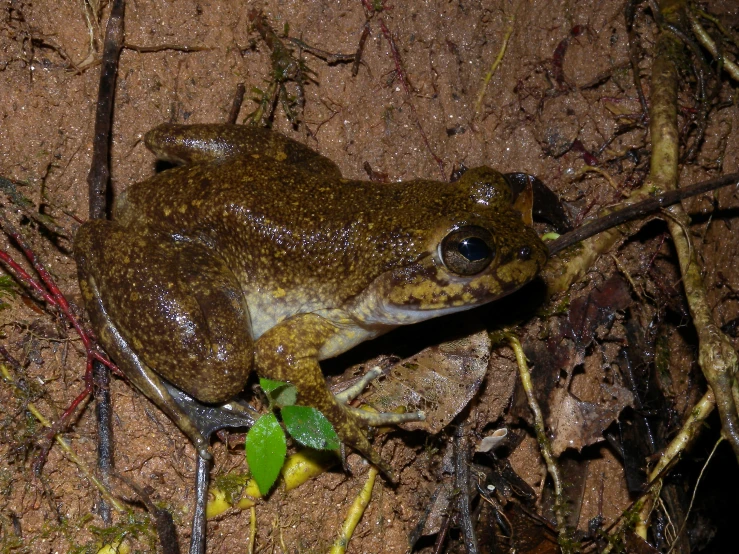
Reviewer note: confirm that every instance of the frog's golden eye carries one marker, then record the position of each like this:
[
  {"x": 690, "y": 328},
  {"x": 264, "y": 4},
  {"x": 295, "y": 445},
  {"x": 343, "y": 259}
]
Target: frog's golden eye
[{"x": 468, "y": 250}]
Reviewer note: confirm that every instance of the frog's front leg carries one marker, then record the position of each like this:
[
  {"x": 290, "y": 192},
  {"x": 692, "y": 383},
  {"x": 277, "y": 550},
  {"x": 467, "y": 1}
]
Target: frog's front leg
[{"x": 289, "y": 352}]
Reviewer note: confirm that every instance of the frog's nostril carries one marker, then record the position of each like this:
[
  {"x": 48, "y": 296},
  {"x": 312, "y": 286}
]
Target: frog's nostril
[{"x": 524, "y": 253}]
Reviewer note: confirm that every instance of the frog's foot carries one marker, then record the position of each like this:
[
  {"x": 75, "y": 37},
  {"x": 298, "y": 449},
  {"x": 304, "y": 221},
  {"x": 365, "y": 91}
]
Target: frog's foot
[
  {"x": 351, "y": 427},
  {"x": 209, "y": 418},
  {"x": 368, "y": 417}
]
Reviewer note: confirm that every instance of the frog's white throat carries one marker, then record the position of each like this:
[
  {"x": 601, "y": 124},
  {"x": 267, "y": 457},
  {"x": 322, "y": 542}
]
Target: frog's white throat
[{"x": 353, "y": 330}]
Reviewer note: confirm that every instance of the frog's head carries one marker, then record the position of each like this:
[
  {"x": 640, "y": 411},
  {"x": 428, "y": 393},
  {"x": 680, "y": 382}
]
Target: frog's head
[{"x": 470, "y": 246}]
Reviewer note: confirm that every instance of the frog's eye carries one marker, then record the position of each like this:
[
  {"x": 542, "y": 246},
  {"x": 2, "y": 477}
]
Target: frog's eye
[{"x": 468, "y": 250}]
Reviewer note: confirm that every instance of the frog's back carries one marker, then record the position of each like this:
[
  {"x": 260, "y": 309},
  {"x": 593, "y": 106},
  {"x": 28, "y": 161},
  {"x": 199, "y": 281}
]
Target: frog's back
[{"x": 274, "y": 223}]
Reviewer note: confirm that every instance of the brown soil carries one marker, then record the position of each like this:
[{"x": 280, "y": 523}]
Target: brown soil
[{"x": 446, "y": 48}]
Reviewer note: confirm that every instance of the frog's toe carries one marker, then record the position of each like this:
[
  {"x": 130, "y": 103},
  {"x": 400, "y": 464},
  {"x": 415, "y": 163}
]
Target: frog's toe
[
  {"x": 380, "y": 419},
  {"x": 356, "y": 389}
]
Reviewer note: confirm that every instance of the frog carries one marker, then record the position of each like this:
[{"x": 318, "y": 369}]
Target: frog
[{"x": 253, "y": 253}]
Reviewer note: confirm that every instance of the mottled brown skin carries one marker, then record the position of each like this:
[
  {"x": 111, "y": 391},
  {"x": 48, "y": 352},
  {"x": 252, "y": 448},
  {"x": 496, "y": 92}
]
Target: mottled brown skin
[{"x": 256, "y": 253}]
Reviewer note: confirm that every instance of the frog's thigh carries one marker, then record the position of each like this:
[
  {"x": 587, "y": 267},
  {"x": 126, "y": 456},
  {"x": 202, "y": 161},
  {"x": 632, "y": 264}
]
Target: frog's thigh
[
  {"x": 203, "y": 143},
  {"x": 178, "y": 307}
]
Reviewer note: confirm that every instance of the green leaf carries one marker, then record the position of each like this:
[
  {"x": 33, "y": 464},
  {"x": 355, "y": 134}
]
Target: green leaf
[
  {"x": 265, "y": 451},
  {"x": 269, "y": 385},
  {"x": 8, "y": 287},
  {"x": 310, "y": 427},
  {"x": 279, "y": 393}
]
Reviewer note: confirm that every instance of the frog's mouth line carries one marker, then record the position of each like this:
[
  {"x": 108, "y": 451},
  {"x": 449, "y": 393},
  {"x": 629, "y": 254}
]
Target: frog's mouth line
[
  {"x": 429, "y": 297},
  {"x": 393, "y": 315}
]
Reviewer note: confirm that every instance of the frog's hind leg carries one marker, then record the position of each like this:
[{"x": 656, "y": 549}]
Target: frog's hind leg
[
  {"x": 165, "y": 309},
  {"x": 192, "y": 144}
]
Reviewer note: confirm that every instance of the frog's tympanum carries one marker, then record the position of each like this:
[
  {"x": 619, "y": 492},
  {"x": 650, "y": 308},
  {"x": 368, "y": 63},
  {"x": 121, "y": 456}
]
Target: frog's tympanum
[{"x": 256, "y": 254}]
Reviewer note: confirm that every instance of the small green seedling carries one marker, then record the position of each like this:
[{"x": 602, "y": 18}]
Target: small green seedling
[{"x": 266, "y": 444}]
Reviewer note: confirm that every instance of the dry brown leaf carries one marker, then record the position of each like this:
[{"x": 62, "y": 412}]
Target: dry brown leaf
[
  {"x": 576, "y": 423},
  {"x": 440, "y": 380}
]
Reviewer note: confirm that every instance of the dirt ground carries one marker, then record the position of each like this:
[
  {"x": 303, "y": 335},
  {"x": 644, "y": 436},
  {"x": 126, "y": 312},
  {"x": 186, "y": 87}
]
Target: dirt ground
[{"x": 564, "y": 88}]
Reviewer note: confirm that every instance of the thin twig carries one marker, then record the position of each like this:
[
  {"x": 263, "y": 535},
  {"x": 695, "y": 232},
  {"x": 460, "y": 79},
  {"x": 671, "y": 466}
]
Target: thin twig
[
  {"x": 638, "y": 210},
  {"x": 671, "y": 453},
  {"x": 98, "y": 181},
  {"x": 709, "y": 44},
  {"x": 360, "y": 48},
  {"x": 630, "y": 12},
  {"x": 329, "y": 57},
  {"x": 462, "y": 484},
  {"x": 545, "y": 446},
  {"x": 695, "y": 492},
  {"x": 162, "y": 47},
  {"x": 238, "y": 99},
  {"x": 498, "y": 59},
  {"x": 99, "y": 175},
  {"x": 104, "y": 491}
]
